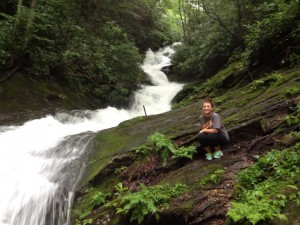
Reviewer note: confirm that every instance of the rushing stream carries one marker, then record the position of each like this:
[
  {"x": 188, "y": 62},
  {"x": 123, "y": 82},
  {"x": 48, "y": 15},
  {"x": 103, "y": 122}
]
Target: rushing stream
[{"x": 41, "y": 161}]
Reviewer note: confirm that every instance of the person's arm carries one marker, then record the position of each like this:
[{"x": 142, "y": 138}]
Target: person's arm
[
  {"x": 210, "y": 130},
  {"x": 214, "y": 126}
]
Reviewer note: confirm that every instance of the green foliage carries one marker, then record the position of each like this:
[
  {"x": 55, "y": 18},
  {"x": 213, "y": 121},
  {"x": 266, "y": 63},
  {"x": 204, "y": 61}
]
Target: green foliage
[
  {"x": 87, "y": 221},
  {"x": 184, "y": 152},
  {"x": 266, "y": 81},
  {"x": 259, "y": 189},
  {"x": 164, "y": 146},
  {"x": 193, "y": 60},
  {"x": 144, "y": 150},
  {"x": 120, "y": 189},
  {"x": 296, "y": 135},
  {"x": 6, "y": 32},
  {"x": 148, "y": 201},
  {"x": 292, "y": 92},
  {"x": 99, "y": 198},
  {"x": 96, "y": 61},
  {"x": 258, "y": 208},
  {"x": 247, "y": 33},
  {"x": 84, "y": 222},
  {"x": 87, "y": 45},
  {"x": 120, "y": 169},
  {"x": 276, "y": 18},
  {"x": 294, "y": 118},
  {"x": 85, "y": 214},
  {"x": 293, "y": 59},
  {"x": 213, "y": 178}
]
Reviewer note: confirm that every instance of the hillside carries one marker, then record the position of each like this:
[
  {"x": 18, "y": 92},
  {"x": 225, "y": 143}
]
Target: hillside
[{"x": 260, "y": 116}]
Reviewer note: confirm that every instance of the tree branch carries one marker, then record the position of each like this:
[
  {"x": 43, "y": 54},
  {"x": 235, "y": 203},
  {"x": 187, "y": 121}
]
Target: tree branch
[{"x": 81, "y": 75}]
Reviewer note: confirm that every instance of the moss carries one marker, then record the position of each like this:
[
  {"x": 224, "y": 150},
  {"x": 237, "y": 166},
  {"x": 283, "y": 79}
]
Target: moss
[
  {"x": 251, "y": 103},
  {"x": 132, "y": 122},
  {"x": 236, "y": 105},
  {"x": 194, "y": 172}
]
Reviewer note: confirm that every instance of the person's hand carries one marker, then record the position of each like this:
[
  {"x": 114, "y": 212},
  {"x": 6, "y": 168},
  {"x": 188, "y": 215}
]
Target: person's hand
[{"x": 201, "y": 131}]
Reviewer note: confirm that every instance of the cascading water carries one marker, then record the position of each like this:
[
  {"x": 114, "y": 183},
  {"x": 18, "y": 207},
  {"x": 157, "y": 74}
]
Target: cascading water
[{"x": 41, "y": 161}]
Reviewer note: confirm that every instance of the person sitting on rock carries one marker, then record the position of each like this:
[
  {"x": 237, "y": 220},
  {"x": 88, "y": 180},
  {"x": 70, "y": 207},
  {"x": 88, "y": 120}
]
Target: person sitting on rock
[{"x": 213, "y": 134}]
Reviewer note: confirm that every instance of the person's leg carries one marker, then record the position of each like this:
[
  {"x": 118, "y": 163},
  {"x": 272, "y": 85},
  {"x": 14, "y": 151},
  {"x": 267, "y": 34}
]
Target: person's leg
[
  {"x": 219, "y": 141},
  {"x": 212, "y": 140},
  {"x": 204, "y": 141}
]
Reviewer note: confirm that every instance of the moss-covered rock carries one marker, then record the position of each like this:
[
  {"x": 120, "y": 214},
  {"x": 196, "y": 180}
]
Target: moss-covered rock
[
  {"x": 255, "y": 118},
  {"x": 22, "y": 98}
]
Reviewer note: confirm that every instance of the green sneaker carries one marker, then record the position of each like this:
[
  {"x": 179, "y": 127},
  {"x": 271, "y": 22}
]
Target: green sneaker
[
  {"x": 209, "y": 156},
  {"x": 218, "y": 154}
]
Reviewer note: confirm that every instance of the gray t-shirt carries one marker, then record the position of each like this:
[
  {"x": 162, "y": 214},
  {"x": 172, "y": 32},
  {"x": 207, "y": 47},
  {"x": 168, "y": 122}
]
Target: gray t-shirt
[{"x": 214, "y": 121}]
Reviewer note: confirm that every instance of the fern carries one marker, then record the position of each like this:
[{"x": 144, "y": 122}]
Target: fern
[
  {"x": 164, "y": 146},
  {"x": 295, "y": 117},
  {"x": 99, "y": 198},
  {"x": 213, "y": 178},
  {"x": 148, "y": 201},
  {"x": 258, "y": 192},
  {"x": 120, "y": 189},
  {"x": 184, "y": 152}
]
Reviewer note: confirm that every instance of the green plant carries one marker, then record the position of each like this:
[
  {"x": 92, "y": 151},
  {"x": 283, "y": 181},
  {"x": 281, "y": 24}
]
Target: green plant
[
  {"x": 99, "y": 198},
  {"x": 291, "y": 120},
  {"x": 84, "y": 222},
  {"x": 265, "y": 82},
  {"x": 292, "y": 92},
  {"x": 261, "y": 190},
  {"x": 144, "y": 150},
  {"x": 148, "y": 201},
  {"x": 213, "y": 178},
  {"x": 120, "y": 189},
  {"x": 293, "y": 59},
  {"x": 87, "y": 222},
  {"x": 85, "y": 214},
  {"x": 296, "y": 135},
  {"x": 184, "y": 152},
  {"x": 257, "y": 208},
  {"x": 120, "y": 169},
  {"x": 164, "y": 146},
  {"x": 257, "y": 84},
  {"x": 219, "y": 99},
  {"x": 295, "y": 117}
]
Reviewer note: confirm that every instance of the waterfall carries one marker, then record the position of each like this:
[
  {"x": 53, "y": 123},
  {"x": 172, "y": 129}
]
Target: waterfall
[{"x": 42, "y": 160}]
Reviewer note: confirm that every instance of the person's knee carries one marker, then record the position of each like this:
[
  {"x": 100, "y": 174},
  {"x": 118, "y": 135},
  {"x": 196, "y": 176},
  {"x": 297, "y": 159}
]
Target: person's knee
[{"x": 202, "y": 136}]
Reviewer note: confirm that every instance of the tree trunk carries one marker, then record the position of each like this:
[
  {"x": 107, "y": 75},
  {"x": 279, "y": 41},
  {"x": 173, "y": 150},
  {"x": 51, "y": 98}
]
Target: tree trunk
[{"x": 183, "y": 22}]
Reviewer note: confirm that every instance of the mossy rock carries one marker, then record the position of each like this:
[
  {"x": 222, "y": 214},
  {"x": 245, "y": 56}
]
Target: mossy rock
[{"x": 22, "y": 98}]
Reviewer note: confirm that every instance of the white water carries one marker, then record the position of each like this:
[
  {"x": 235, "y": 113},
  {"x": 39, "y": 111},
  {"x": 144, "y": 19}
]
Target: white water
[{"x": 42, "y": 160}]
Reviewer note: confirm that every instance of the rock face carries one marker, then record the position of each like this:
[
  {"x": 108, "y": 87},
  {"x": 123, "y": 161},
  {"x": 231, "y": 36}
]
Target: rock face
[{"x": 256, "y": 121}]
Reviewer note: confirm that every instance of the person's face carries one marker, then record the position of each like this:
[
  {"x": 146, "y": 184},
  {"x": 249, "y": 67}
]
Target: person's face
[{"x": 207, "y": 108}]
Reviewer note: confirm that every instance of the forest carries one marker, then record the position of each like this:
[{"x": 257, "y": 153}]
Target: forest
[
  {"x": 96, "y": 47},
  {"x": 245, "y": 55}
]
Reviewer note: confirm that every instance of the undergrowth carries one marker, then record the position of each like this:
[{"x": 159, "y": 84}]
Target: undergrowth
[
  {"x": 165, "y": 147},
  {"x": 148, "y": 201},
  {"x": 294, "y": 118},
  {"x": 263, "y": 190},
  {"x": 211, "y": 179}
]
